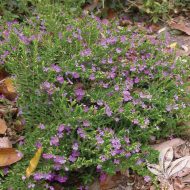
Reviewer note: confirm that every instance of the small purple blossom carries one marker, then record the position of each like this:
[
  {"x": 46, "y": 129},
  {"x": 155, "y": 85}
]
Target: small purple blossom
[
  {"x": 86, "y": 52},
  {"x": 59, "y": 160},
  {"x": 147, "y": 178},
  {"x": 56, "y": 68},
  {"x": 116, "y": 143},
  {"x": 86, "y": 123},
  {"x": 61, "y": 179},
  {"x": 41, "y": 126},
  {"x": 81, "y": 133},
  {"x": 60, "y": 79},
  {"x": 75, "y": 146},
  {"x": 79, "y": 93},
  {"x": 108, "y": 111},
  {"x": 54, "y": 141},
  {"x": 127, "y": 96},
  {"x": 48, "y": 156},
  {"x": 99, "y": 139}
]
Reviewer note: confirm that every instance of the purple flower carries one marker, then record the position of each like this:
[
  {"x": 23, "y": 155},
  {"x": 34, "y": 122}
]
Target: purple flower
[
  {"x": 57, "y": 167},
  {"x": 116, "y": 143},
  {"x": 79, "y": 93},
  {"x": 86, "y": 123},
  {"x": 110, "y": 60},
  {"x": 86, "y": 52},
  {"x": 41, "y": 126},
  {"x": 38, "y": 144},
  {"x": 103, "y": 158},
  {"x": 48, "y": 156},
  {"x": 92, "y": 77},
  {"x": 38, "y": 176},
  {"x": 127, "y": 155},
  {"x": 100, "y": 102},
  {"x": 81, "y": 133},
  {"x": 61, "y": 128},
  {"x": 60, "y": 79},
  {"x": 127, "y": 140},
  {"x": 147, "y": 178},
  {"x": 135, "y": 121},
  {"x": 56, "y": 68},
  {"x": 118, "y": 50},
  {"x": 103, "y": 177},
  {"x": 75, "y": 146},
  {"x": 99, "y": 140},
  {"x": 75, "y": 75},
  {"x": 61, "y": 179},
  {"x": 123, "y": 39},
  {"x": 48, "y": 87},
  {"x": 127, "y": 96},
  {"x": 59, "y": 159},
  {"x": 5, "y": 170},
  {"x": 116, "y": 87},
  {"x": 54, "y": 141},
  {"x": 116, "y": 161},
  {"x": 108, "y": 111},
  {"x": 72, "y": 158}
]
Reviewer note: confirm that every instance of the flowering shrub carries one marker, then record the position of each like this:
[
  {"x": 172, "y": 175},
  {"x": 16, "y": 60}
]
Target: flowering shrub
[{"x": 92, "y": 94}]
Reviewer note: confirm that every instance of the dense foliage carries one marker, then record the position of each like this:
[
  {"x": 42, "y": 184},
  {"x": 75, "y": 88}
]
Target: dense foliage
[{"x": 92, "y": 93}]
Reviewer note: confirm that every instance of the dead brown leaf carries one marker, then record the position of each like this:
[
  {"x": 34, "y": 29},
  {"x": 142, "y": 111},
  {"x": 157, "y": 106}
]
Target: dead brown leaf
[
  {"x": 3, "y": 126},
  {"x": 3, "y": 74},
  {"x": 181, "y": 27},
  {"x": 109, "y": 182},
  {"x": 7, "y": 88},
  {"x": 111, "y": 14},
  {"x": 9, "y": 156},
  {"x": 5, "y": 143},
  {"x": 177, "y": 184},
  {"x": 92, "y": 6},
  {"x": 171, "y": 143}
]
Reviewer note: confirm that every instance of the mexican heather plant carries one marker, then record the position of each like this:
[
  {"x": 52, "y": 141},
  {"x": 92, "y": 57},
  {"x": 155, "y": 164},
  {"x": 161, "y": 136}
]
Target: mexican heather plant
[{"x": 93, "y": 95}]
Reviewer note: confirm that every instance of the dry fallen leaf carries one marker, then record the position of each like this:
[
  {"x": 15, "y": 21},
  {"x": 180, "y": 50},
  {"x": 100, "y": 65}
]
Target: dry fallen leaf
[
  {"x": 167, "y": 170},
  {"x": 165, "y": 158},
  {"x": 7, "y": 88},
  {"x": 92, "y": 6},
  {"x": 181, "y": 27},
  {"x": 34, "y": 162},
  {"x": 5, "y": 143},
  {"x": 171, "y": 143},
  {"x": 177, "y": 184},
  {"x": 109, "y": 182},
  {"x": 9, "y": 156},
  {"x": 3, "y": 126}
]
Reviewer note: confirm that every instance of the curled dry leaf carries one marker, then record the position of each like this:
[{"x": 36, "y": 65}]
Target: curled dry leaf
[
  {"x": 178, "y": 165},
  {"x": 34, "y": 162},
  {"x": 165, "y": 158},
  {"x": 5, "y": 143},
  {"x": 155, "y": 169},
  {"x": 181, "y": 27},
  {"x": 3, "y": 126},
  {"x": 9, "y": 156}
]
